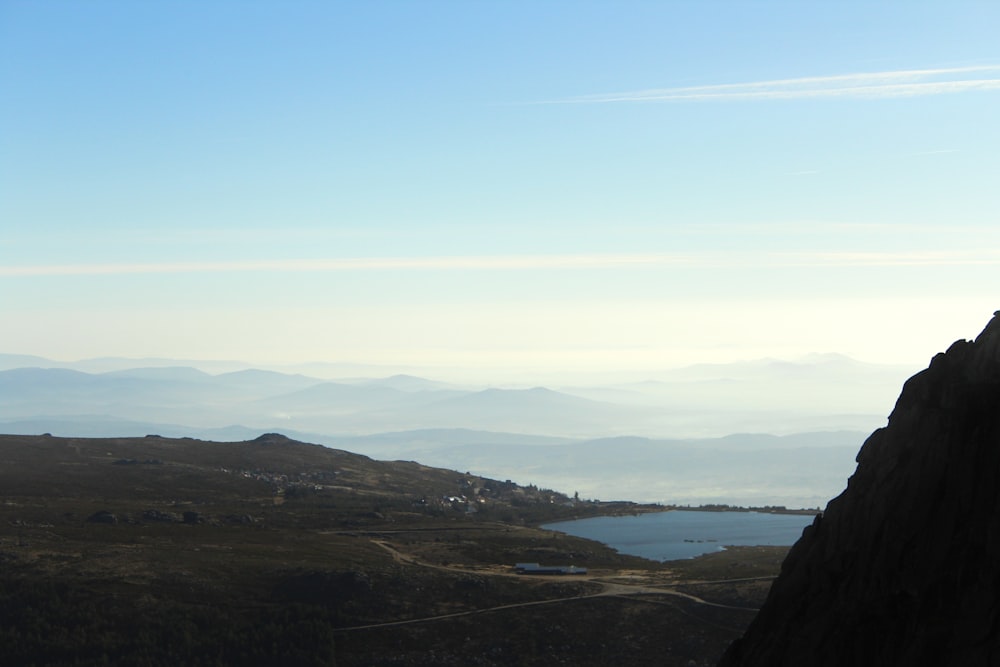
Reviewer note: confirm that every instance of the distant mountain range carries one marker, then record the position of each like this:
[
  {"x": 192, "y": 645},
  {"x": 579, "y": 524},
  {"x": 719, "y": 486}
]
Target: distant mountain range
[
  {"x": 669, "y": 438},
  {"x": 825, "y": 392}
]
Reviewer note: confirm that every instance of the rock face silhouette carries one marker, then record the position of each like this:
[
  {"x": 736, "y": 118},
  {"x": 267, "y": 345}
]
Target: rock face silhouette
[{"x": 903, "y": 568}]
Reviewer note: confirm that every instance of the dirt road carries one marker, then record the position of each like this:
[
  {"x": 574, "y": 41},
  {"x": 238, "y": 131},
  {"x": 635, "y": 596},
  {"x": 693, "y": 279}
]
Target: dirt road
[{"x": 608, "y": 589}]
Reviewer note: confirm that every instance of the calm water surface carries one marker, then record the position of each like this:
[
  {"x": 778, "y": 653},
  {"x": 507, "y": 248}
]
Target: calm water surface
[{"x": 685, "y": 534}]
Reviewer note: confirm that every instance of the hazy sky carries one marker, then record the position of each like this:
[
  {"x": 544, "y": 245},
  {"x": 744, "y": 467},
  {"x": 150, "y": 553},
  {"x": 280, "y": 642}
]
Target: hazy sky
[{"x": 498, "y": 185}]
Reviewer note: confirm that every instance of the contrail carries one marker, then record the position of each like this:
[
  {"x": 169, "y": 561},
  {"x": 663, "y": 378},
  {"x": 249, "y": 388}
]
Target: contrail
[{"x": 870, "y": 85}]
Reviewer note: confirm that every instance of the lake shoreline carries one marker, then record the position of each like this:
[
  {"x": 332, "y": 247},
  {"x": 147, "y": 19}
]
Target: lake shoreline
[
  {"x": 681, "y": 533},
  {"x": 598, "y": 508}
]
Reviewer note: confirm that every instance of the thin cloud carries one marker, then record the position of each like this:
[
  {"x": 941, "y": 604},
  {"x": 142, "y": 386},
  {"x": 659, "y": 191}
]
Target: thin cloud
[
  {"x": 707, "y": 260},
  {"x": 892, "y": 259},
  {"x": 516, "y": 262},
  {"x": 865, "y": 85}
]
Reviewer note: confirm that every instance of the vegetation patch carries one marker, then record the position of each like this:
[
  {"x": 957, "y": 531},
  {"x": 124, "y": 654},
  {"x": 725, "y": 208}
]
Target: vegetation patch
[{"x": 158, "y": 551}]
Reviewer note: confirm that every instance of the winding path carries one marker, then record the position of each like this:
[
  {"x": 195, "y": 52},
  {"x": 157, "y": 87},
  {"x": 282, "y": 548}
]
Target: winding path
[{"x": 608, "y": 589}]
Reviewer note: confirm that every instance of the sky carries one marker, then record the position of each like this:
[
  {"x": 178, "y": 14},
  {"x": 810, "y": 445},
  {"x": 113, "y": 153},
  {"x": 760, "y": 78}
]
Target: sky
[{"x": 505, "y": 187}]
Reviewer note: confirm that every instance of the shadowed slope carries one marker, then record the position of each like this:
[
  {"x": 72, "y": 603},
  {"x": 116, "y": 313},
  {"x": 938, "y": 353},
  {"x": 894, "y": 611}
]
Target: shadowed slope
[{"x": 904, "y": 566}]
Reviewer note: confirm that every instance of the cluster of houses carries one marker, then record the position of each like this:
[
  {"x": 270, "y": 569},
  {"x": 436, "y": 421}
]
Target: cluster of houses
[{"x": 463, "y": 503}]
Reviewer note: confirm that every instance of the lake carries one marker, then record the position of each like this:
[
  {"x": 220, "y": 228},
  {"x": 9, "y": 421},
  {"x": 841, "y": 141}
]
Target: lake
[{"x": 685, "y": 534}]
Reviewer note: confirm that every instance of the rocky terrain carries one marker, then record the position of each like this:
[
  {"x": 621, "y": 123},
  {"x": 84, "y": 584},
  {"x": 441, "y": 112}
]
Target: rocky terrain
[{"x": 903, "y": 568}]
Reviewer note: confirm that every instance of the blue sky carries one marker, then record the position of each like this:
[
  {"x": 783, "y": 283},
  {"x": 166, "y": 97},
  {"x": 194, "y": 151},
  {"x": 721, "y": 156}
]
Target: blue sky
[{"x": 569, "y": 186}]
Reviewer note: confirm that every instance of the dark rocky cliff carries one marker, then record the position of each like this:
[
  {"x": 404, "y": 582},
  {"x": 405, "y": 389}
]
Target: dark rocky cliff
[{"x": 903, "y": 568}]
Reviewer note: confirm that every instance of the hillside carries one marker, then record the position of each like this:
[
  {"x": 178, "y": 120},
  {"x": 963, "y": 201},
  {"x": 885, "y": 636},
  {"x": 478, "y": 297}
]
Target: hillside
[{"x": 161, "y": 551}]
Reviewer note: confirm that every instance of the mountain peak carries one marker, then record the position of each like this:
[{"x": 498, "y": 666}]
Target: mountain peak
[{"x": 273, "y": 439}]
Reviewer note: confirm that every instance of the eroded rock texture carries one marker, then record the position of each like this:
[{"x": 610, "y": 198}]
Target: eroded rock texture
[{"x": 903, "y": 568}]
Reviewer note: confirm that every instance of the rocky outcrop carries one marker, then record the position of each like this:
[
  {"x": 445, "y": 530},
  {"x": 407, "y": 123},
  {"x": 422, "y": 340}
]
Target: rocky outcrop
[
  {"x": 193, "y": 517},
  {"x": 903, "y": 568}
]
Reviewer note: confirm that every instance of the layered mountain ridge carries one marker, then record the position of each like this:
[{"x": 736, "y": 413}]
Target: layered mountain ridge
[
  {"x": 745, "y": 433},
  {"x": 903, "y": 568}
]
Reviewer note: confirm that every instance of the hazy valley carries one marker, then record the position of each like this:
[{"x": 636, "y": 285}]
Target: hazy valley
[{"x": 763, "y": 433}]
